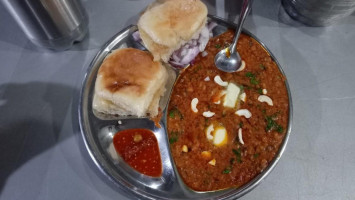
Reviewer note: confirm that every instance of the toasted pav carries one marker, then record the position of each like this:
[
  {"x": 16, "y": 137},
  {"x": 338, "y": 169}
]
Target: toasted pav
[
  {"x": 166, "y": 25},
  {"x": 129, "y": 82}
]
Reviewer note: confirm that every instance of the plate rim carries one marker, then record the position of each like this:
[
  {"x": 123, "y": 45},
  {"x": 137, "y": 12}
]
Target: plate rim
[{"x": 233, "y": 193}]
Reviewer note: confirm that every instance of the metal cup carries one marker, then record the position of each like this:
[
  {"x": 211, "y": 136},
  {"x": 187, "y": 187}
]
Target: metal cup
[
  {"x": 55, "y": 24},
  {"x": 318, "y": 12}
]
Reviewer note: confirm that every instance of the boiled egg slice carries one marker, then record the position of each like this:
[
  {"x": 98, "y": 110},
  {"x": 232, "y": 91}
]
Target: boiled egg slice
[{"x": 220, "y": 136}]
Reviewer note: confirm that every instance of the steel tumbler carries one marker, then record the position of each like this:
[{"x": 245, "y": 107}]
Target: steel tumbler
[
  {"x": 54, "y": 24},
  {"x": 319, "y": 12}
]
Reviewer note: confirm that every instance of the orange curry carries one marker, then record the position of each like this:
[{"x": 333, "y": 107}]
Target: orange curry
[
  {"x": 203, "y": 165},
  {"x": 139, "y": 148}
]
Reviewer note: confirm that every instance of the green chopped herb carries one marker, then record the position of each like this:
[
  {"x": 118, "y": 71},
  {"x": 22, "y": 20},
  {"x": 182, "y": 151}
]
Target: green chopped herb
[
  {"x": 271, "y": 124},
  {"x": 256, "y": 155},
  {"x": 260, "y": 91},
  {"x": 280, "y": 129},
  {"x": 253, "y": 81},
  {"x": 262, "y": 66},
  {"x": 241, "y": 87},
  {"x": 238, "y": 154},
  {"x": 226, "y": 171},
  {"x": 174, "y": 111},
  {"x": 231, "y": 161},
  {"x": 172, "y": 140},
  {"x": 263, "y": 111},
  {"x": 252, "y": 77},
  {"x": 240, "y": 124},
  {"x": 172, "y": 114},
  {"x": 218, "y": 46},
  {"x": 174, "y": 136},
  {"x": 249, "y": 74}
]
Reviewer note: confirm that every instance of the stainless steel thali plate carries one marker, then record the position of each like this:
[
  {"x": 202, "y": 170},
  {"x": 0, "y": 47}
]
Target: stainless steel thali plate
[{"x": 98, "y": 130}]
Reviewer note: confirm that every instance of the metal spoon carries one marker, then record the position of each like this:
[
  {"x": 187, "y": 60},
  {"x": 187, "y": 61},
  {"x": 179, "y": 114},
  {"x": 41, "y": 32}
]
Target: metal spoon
[{"x": 228, "y": 59}]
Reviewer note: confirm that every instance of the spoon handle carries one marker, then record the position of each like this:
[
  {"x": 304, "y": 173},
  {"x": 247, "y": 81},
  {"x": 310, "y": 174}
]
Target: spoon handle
[{"x": 246, "y": 7}]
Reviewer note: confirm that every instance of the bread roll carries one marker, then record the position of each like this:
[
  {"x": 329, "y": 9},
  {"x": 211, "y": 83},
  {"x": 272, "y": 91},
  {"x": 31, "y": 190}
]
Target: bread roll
[
  {"x": 166, "y": 25},
  {"x": 129, "y": 82}
]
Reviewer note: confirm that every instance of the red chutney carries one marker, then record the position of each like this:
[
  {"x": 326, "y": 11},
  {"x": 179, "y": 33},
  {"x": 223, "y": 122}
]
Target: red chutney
[
  {"x": 205, "y": 166},
  {"x": 139, "y": 148}
]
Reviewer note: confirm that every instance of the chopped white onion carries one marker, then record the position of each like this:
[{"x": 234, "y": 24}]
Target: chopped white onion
[
  {"x": 211, "y": 25},
  {"x": 190, "y": 55},
  {"x": 175, "y": 57},
  {"x": 183, "y": 52},
  {"x": 204, "y": 53},
  {"x": 136, "y": 36},
  {"x": 203, "y": 39},
  {"x": 187, "y": 53}
]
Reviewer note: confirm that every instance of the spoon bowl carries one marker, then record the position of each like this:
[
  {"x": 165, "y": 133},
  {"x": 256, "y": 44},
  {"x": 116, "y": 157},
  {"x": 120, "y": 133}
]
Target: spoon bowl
[
  {"x": 229, "y": 63},
  {"x": 228, "y": 59}
]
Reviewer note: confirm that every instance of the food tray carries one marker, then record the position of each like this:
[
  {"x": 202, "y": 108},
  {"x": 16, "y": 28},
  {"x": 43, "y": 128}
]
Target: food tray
[{"x": 98, "y": 131}]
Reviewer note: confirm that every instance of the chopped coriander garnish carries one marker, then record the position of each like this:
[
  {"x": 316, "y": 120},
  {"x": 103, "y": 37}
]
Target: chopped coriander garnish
[
  {"x": 262, "y": 66},
  {"x": 260, "y": 91},
  {"x": 174, "y": 136},
  {"x": 252, "y": 77},
  {"x": 253, "y": 81},
  {"x": 249, "y": 74},
  {"x": 171, "y": 114},
  {"x": 280, "y": 129},
  {"x": 174, "y": 111},
  {"x": 172, "y": 140},
  {"x": 238, "y": 154},
  {"x": 256, "y": 155},
  {"x": 218, "y": 46},
  {"x": 271, "y": 124},
  {"x": 226, "y": 171},
  {"x": 240, "y": 124},
  {"x": 241, "y": 87},
  {"x": 231, "y": 161}
]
